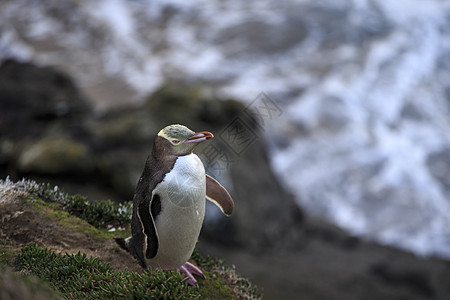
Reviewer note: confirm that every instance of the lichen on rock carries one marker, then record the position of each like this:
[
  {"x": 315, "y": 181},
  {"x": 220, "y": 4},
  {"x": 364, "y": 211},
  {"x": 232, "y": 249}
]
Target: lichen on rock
[{"x": 55, "y": 156}]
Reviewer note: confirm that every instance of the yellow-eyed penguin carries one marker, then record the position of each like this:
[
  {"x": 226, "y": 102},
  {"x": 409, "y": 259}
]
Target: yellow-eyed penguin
[{"x": 169, "y": 203}]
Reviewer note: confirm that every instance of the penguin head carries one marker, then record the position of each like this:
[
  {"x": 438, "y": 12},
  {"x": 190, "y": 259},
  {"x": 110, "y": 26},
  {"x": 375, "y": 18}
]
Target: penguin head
[{"x": 181, "y": 139}]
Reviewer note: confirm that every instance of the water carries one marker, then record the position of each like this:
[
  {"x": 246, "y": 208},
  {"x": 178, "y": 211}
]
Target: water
[{"x": 364, "y": 138}]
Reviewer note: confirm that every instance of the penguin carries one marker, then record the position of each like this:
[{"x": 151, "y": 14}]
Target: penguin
[{"x": 169, "y": 203}]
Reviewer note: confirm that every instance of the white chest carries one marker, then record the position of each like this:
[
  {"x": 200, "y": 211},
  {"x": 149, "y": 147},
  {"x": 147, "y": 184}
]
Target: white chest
[
  {"x": 185, "y": 184},
  {"x": 182, "y": 194}
]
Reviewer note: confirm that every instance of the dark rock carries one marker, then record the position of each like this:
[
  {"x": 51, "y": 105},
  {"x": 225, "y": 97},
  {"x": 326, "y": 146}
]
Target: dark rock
[
  {"x": 33, "y": 97},
  {"x": 325, "y": 267},
  {"x": 121, "y": 168},
  {"x": 42, "y": 116},
  {"x": 267, "y": 237},
  {"x": 265, "y": 214},
  {"x": 191, "y": 105},
  {"x": 417, "y": 280},
  {"x": 119, "y": 129},
  {"x": 56, "y": 156}
]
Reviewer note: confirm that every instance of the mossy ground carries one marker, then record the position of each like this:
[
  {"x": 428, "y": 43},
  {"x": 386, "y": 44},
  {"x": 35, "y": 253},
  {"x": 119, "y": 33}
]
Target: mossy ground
[
  {"x": 64, "y": 240},
  {"x": 78, "y": 276},
  {"x": 7, "y": 255},
  {"x": 56, "y": 213}
]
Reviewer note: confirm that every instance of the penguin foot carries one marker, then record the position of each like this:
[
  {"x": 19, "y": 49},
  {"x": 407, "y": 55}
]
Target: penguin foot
[{"x": 190, "y": 270}]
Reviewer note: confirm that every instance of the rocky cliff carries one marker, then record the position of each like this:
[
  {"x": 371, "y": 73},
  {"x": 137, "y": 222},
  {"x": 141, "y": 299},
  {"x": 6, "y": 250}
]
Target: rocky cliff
[{"x": 49, "y": 133}]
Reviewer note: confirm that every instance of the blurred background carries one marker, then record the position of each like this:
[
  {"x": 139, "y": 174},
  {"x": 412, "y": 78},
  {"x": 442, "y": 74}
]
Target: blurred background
[{"x": 351, "y": 99}]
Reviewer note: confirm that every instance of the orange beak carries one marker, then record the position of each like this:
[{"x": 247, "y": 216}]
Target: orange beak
[{"x": 199, "y": 137}]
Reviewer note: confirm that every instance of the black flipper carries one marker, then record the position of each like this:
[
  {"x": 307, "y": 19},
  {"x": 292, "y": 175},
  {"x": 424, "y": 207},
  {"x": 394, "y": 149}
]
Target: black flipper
[
  {"x": 128, "y": 245},
  {"x": 217, "y": 194},
  {"x": 148, "y": 222},
  {"x": 122, "y": 243}
]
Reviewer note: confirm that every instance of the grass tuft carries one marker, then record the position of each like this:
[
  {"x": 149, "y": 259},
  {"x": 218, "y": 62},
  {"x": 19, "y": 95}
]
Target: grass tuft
[
  {"x": 77, "y": 276},
  {"x": 97, "y": 213}
]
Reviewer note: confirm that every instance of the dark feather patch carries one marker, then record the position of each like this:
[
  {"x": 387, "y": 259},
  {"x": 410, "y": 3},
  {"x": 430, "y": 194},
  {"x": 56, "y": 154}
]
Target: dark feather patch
[
  {"x": 156, "y": 206},
  {"x": 149, "y": 230},
  {"x": 121, "y": 242}
]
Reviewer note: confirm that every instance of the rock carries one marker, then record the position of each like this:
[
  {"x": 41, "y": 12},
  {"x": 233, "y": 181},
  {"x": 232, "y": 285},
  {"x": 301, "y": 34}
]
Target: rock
[
  {"x": 416, "y": 280},
  {"x": 32, "y": 97},
  {"x": 121, "y": 169},
  {"x": 54, "y": 156},
  {"x": 296, "y": 255},
  {"x": 126, "y": 127},
  {"x": 38, "y": 102},
  {"x": 266, "y": 216}
]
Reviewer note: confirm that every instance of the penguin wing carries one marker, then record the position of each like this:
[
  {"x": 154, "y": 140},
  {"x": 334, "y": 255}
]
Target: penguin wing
[
  {"x": 147, "y": 213},
  {"x": 217, "y": 194}
]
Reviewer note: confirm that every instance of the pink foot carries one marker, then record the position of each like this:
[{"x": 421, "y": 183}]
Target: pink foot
[{"x": 190, "y": 270}]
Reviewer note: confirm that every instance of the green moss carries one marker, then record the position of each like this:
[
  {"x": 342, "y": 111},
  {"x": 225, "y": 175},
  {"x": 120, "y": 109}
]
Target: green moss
[
  {"x": 174, "y": 98},
  {"x": 65, "y": 219},
  {"x": 98, "y": 213},
  {"x": 80, "y": 277},
  {"x": 220, "y": 278},
  {"x": 56, "y": 155},
  {"x": 6, "y": 256},
  {"x": 69, "y": 221},
  {"x": 206, "y": 261},
  {"x": 214, "y": 288}
]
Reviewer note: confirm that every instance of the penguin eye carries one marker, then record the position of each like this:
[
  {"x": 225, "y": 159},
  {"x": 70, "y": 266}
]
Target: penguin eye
[{"x": 175, "y": 142}]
